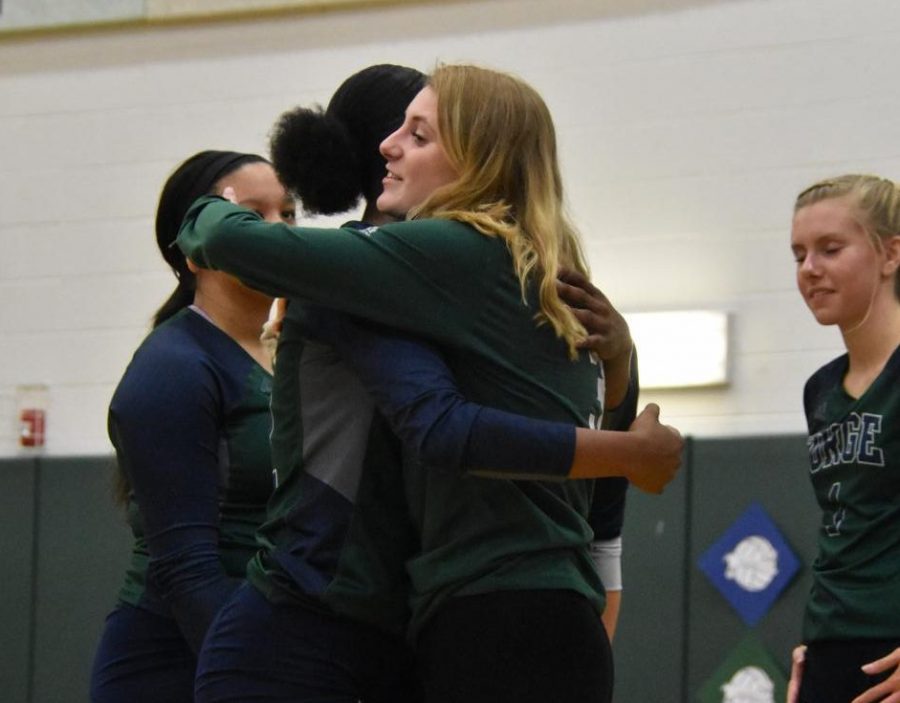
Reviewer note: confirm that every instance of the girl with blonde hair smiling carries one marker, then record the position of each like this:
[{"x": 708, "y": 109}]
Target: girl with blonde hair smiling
[
  {"x": 505, "y": 598},
  {"x": 846, "y": 240}
]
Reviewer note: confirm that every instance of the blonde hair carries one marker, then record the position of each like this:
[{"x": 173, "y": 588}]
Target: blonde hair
[
  {"x": 875, "y": 199},
  {"x": 498, "y": 134}
]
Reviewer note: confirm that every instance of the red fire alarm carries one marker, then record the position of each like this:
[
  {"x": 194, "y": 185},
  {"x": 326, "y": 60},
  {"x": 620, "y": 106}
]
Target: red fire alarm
[
  {"x": 32, "y": 414},
  {"x": 32, "y": 425}
]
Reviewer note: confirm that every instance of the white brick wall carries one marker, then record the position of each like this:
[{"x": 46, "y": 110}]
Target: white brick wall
[{"x": 686, "y": 128}]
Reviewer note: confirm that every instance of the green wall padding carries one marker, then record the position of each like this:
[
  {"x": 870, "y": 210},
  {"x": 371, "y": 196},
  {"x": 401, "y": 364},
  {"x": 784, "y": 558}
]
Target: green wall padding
[
  {"x": 64, "y": 546},
  {"x": 83, "y": 549},
  {"x": 17, "y": 500},
  {"x": 728, "y": 475}
]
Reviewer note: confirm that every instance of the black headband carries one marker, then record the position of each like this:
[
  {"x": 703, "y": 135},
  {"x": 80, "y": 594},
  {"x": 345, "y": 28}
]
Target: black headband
[{"x": 194, "y": 178}]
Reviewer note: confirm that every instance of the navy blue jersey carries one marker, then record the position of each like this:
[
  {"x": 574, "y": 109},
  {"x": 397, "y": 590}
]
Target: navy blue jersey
[{"x": 190, "y": 425}]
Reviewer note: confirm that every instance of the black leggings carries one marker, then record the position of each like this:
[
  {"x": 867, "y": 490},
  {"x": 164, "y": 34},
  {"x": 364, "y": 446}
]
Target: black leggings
[
  {"x": 516, "y": 646},
  {"x": 831, "y": 672}
]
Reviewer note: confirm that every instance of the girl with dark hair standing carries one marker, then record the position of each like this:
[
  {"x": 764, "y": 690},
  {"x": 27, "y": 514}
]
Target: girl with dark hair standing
[
  {"x": 505, "y": 596},
  {"x": 283, "y": 636},
  {"x": 189, "y": 422}
]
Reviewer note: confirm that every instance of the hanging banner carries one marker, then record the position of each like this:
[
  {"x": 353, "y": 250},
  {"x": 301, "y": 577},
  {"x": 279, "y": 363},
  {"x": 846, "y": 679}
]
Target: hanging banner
[
  {"x": 749, "y": 674},
  {"x": 750, "y": 564}
]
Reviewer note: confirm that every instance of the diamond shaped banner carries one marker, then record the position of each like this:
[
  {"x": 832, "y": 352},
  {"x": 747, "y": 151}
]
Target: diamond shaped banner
[
  {"x": 751, "y": 564},
  {"x": 748, "y": 675}
]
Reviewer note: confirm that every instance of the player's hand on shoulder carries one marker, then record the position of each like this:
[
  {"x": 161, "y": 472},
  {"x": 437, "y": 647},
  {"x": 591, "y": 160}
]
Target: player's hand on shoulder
[{"x": 608, "y": 333}]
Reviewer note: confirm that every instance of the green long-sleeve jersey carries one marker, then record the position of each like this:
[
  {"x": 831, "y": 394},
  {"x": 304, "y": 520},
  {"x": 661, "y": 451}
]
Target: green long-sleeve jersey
[{"x": 446, "y": 282}]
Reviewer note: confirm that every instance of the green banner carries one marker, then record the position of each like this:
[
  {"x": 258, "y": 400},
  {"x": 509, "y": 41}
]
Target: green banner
[{"x": 748, "y": 675}]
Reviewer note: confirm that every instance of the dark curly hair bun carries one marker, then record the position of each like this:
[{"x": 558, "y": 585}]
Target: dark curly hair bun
[
  {"x": 329, "y": 159},
  {"x": 314, "y": 158}
]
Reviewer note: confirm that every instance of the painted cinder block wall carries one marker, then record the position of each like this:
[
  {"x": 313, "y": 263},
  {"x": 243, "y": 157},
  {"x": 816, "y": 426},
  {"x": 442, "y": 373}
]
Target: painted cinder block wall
[{"x": 686, "y": 127}]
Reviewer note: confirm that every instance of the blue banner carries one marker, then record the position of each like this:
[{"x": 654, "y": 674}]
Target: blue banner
[{"x": 751, "y": 564}]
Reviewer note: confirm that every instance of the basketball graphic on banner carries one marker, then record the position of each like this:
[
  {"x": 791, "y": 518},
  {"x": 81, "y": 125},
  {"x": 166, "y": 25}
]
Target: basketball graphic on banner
[
  {"x": 749, "y": 685},
  {"x": 752, "y": 564}
]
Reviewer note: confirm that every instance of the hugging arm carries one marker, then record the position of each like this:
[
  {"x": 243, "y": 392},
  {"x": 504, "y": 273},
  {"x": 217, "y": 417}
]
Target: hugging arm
[
  {"x": 608, "y": 336},
  {"x": 363, "y": 272},
  {"x": 417, "y": 393}
]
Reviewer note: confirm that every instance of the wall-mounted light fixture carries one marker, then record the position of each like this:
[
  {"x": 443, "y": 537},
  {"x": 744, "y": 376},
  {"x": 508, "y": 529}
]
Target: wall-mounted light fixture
[{"x": 681, "y": 348}]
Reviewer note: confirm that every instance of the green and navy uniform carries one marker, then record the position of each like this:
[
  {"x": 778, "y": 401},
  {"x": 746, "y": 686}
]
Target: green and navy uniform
[
  {"x": 446, "y": 282},
  {"x": 458, "y": 650},
  {"x": 416, "y": 392},
  {"x": 190, "y": 424},
  {"x": 854, "y": 449},
  {"x": 443, "y": 281}
]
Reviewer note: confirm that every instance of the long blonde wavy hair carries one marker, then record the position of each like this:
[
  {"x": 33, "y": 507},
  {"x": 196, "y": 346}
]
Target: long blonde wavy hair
[{"x": 499, "y": 136}]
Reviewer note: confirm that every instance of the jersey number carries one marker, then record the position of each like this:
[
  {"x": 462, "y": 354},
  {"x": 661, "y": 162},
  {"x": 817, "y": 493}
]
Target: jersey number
[{"x": 833, "y": 528}]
